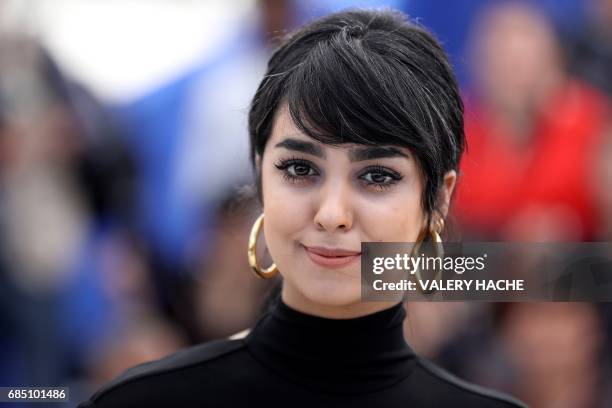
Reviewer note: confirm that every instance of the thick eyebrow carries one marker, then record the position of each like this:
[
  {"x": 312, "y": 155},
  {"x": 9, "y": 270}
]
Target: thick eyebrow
[
  {"x": 302, "y": 146},
  {"x": 355, "y": 154},
  {"x": 375, "y": 152}
]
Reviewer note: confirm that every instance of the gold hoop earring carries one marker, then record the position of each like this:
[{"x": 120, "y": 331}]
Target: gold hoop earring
[
  {"x": 272, "y": 270},
  {"x": 434, "y": 235}
]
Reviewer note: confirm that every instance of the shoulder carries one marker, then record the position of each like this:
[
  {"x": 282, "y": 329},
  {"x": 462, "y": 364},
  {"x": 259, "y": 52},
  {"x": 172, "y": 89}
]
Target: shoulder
[
  {"x": 460, "y": 392},
  {"x": 166, "y": 369}
]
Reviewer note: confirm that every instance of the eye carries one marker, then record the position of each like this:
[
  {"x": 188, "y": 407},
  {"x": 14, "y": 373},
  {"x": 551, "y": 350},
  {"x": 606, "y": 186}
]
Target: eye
[
  {"x": 379, "y": 177},
  {"x": 296, "y": 170}
]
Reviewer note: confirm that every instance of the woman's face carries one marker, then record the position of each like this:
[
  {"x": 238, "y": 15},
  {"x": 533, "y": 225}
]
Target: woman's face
[{"x": 317, "y": 195}]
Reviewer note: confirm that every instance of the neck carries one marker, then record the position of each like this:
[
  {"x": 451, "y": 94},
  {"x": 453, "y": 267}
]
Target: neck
[
  {"x": 352, "y": 356},
  {"x": 296, "y": 300}
]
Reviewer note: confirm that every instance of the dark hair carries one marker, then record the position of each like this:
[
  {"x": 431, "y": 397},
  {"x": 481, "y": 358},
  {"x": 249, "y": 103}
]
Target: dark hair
[{"x": 370, "y": 77}]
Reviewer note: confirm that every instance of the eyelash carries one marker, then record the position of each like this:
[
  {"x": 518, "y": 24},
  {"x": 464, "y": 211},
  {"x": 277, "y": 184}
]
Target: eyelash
[{"x": 284, "y": 165}]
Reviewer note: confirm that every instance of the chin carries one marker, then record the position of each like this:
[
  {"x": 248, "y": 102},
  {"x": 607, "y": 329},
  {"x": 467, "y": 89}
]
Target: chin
[{"x": 332, "y": 292}]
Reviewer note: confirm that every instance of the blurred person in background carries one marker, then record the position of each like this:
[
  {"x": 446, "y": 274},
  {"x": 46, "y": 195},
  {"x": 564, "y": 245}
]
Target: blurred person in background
[
  {"x": 548, "y": 354},
  {"x": 43, "y": 214},
  {"x": 531, "y": 132},
  {"x": 556, "y": 351},
  {"x": 533, "y": 135},
  {"x": 588, "y": 46},
  {"x": 71, "y": 268},
  {"x": 603, "y": 180},
  {"x": 221, "y": 272}
]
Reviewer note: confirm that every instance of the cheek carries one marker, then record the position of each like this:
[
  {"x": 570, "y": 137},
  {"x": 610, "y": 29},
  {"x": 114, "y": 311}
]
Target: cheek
[
  {"x": 285, "y": 211},
  {"x": 398, "y": 218}
]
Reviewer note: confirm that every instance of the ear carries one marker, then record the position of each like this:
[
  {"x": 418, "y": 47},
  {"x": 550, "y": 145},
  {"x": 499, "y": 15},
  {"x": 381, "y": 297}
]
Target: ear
[{"x": 448, "y": 185}]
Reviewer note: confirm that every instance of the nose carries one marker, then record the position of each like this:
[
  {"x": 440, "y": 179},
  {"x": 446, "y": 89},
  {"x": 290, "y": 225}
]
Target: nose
[{"x": 334, "y": 211}]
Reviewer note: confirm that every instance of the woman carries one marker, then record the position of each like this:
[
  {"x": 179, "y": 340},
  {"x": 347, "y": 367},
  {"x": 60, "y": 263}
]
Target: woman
[{"x": 356, "y": 134}]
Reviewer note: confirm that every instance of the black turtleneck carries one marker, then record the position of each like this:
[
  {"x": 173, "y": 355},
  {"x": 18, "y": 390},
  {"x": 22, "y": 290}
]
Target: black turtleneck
[
  {"x": 339, "y": 356},
  {"x": 294, "y": 359}
]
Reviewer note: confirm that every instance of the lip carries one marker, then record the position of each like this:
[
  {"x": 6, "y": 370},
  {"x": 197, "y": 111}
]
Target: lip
[{"x": 331, "y": 257}]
